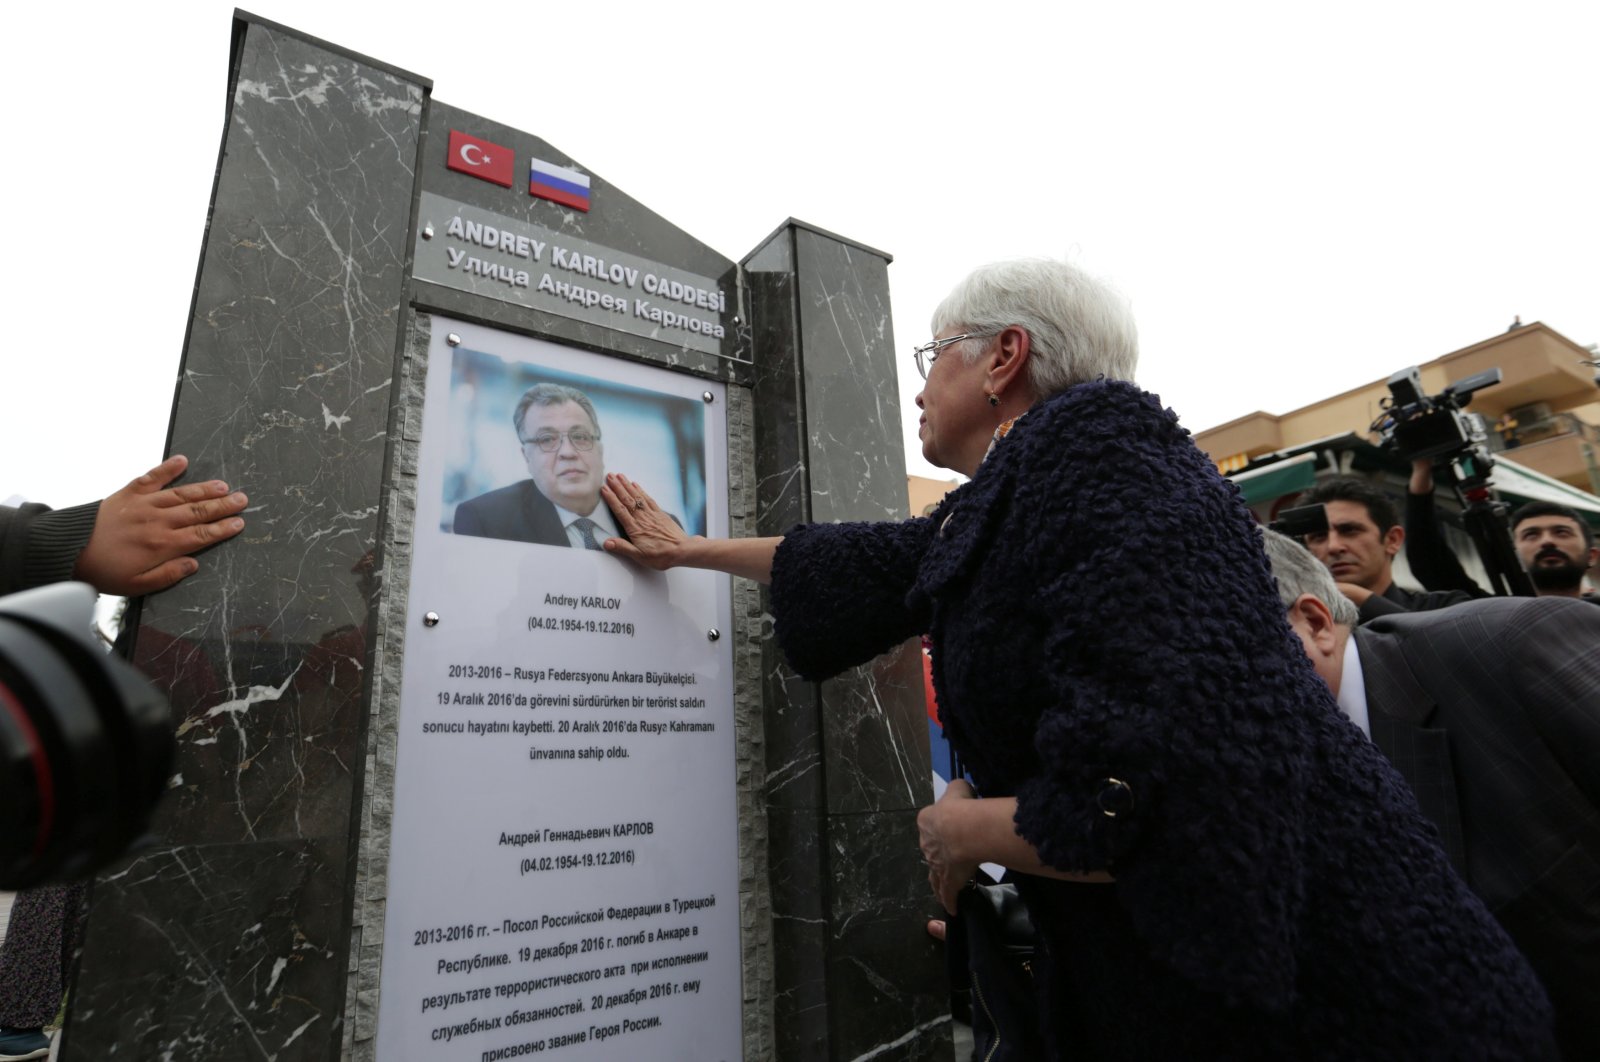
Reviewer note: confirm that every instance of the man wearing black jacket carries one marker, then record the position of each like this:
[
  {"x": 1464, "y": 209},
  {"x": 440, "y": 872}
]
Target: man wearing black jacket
[{"x": 1359, "y": 547}]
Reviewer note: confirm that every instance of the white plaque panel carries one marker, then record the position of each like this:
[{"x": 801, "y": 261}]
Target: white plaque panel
[{"x": 563, "y": 876}]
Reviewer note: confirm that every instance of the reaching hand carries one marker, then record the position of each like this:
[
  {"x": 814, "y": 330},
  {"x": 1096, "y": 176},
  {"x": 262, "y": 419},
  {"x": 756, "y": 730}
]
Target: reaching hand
[
  {"x": 1421, "y": 477},
  {"x": 1357, "y": 594},
  {"x": 654, "y": 537},
  {"x": 948, "y": 872},
  {"x": 144, "y": 532}
]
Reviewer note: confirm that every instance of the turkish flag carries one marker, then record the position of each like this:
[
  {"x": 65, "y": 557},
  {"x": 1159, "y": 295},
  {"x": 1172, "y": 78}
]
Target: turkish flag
[{"x": 480, "y": 158}]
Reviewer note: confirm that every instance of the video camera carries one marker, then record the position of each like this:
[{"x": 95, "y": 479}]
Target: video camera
[
  {"x": 1416, "y": 425},
  {"x": 86, "y": 743},
  {"x": 1436, "y": 428},
  {"x": 1299, "y": 522}
]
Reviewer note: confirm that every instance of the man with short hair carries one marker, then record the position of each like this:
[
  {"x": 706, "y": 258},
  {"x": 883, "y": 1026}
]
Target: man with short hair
[
  {"x": 1557, "y": 548},
  {"x": 1491, "y": 711},
  {"x": 1359, "y": 548},
  {"x": 559, "y": 505}
]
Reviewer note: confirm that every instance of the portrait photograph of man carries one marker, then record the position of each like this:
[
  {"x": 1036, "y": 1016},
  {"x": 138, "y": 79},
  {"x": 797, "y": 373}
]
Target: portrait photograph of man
[
  {"x": 559, "y": 504},
  {"x": 536, "y": 444}
]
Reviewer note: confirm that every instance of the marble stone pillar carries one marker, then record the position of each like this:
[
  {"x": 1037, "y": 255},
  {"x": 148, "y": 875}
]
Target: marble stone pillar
[
  {"x": 229, "y": 939},
  {"x": 847, "y": 759},
  {"x": 253, "y": 927}
]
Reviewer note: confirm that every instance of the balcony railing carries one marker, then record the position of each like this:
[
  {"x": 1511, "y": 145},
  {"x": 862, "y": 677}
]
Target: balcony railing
[{"x": 1504, "y": 437}]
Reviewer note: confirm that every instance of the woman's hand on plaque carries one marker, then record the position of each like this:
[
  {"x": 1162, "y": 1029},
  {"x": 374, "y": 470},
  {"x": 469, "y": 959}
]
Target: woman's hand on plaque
[{"x": 654, "y": 539}]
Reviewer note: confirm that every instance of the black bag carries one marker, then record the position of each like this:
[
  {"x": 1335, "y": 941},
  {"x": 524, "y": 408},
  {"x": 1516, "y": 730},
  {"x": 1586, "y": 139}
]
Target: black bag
[
  {"x": 989, "y": 948},
  {"x": 991, "y": 943}
]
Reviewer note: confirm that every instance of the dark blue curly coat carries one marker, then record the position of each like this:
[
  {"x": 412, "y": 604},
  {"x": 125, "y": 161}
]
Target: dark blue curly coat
[{"x": 1100, "y": 607}]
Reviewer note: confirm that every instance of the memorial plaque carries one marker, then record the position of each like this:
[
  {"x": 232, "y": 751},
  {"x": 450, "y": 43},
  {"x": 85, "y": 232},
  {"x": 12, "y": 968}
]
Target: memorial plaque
[
  {"x": 564, "y": 866},
  {"x": 451, "y": 783}
]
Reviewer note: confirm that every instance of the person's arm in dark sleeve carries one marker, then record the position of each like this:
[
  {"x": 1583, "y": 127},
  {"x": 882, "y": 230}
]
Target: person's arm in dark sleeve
[
  {"x": 39, "y": 545},
  {"x": 1432, "y": 561},
  {"x": 839, "y": 592},
  {"x": 1377, "y": 605},
  {"x": 136, "y": 541}
]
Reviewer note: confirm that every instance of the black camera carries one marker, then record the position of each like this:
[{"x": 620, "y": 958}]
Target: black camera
[
  {"x": 1436, "y": 427},
  {"x": 1419, "y": 426},
  {"x": 1302, "y": 521},
  {"x": 86, "y": 744}
]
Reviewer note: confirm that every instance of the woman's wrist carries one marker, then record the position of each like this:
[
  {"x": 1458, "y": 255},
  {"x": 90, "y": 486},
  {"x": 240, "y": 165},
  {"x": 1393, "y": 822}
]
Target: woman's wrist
[
  {"x": 966, "y": 830},
  {"x": 692, "y": 552}
]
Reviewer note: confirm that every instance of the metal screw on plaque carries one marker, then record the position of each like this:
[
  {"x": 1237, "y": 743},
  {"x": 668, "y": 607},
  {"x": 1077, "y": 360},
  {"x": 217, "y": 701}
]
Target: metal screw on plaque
[
  {"x": 707, "y": 397},
  {"x": 430, "y": 619},
  {"x": 427, "y": 231},
  {"x": 453, "y": 339},
  {"x": 737, "y": 321},
  {"x": 713, "y": 634}
]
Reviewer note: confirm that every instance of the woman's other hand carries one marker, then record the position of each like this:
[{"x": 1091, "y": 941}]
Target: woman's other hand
[
  {"x": 654, "y": 539},
  {"x": 939, "y": 832}
]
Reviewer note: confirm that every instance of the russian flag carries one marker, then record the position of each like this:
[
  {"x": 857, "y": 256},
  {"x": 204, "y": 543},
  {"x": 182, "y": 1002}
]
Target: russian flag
[{"x": 559, "y": 185}]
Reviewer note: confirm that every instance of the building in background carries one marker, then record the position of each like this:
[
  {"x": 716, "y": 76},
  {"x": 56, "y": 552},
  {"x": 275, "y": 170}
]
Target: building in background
[
  {"x": 926, "y": 493},
  {"x": 1540, "y": 426}
]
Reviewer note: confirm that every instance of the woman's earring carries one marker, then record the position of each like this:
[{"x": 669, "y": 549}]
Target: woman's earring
[{"x": 994, "y": 399}]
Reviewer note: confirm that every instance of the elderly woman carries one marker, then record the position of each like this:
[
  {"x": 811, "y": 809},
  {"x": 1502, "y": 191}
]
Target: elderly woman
[{"x": 1219, "y": 865}]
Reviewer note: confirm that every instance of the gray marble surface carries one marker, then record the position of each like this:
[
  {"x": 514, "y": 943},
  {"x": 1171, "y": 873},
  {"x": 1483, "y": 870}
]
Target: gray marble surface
[
  {"x": 847, "y": 761},
  {"x": 253, "y": 929},
  {"x": 371, "y": 879},
  {"x": 229, "y": 940}
]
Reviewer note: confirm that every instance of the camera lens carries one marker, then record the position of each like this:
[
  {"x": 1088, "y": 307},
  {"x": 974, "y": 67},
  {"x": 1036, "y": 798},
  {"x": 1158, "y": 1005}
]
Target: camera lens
[{"x": 85, "y": 749}]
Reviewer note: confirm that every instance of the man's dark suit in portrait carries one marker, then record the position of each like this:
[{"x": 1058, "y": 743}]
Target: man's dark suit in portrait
[
  {"x": 518, "y": 513},
  {"x": 559, "y": 505},
  {"x": 1491, "y": 711}
]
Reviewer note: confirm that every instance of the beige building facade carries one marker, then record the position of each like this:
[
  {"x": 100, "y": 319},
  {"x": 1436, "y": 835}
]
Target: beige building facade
[
  {"x": 926, "y": 493},
  {"x": 1547, "y": 406}
]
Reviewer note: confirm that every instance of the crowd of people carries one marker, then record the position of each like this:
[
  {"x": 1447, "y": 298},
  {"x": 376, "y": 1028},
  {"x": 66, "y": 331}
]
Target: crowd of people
[
  {"x": 1261, "y": 802},
  {"x": 1244, "y": 826}
]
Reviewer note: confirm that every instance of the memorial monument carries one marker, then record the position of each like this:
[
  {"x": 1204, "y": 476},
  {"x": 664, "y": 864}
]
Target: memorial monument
[{"x": 452, "y": 783}]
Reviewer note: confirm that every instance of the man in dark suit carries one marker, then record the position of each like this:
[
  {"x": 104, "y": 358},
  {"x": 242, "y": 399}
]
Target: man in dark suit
[
  {"x": 560, "y": 504},
  {"x": 1359, "y": 548},
  {"x": 1491, "y": 711}
]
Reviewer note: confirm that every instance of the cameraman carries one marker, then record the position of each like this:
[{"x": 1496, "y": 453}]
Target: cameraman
[
  {"x": 136, "y": 541},
  {"x": 1360, "y": 544},
  {"x": 1433, "y": 562}
]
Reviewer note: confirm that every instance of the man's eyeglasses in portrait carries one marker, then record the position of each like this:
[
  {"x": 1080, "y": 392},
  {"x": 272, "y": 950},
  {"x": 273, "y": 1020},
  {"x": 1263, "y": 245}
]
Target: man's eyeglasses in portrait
[{"x": 550, "y": 441}]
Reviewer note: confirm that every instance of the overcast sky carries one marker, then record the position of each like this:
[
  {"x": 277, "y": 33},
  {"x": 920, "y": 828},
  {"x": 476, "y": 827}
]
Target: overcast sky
[{"x": 1297, "y": 199}]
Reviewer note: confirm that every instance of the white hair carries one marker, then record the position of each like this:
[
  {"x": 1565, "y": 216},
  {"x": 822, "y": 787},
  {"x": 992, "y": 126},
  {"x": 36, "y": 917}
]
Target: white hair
[
  {"x": 1298, "y": 572},
  {"x": 1079, "y": 328}
]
